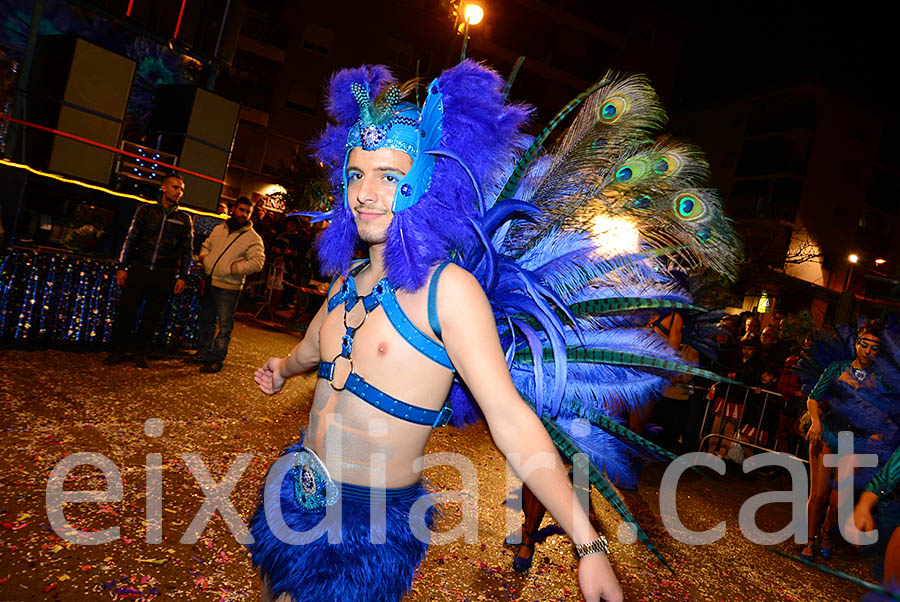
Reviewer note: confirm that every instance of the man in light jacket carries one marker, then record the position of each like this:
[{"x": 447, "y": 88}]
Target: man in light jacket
[{"x": 231, "y": 252}]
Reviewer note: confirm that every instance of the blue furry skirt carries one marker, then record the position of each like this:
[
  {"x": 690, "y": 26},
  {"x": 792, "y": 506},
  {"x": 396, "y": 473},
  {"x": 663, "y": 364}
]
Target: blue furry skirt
[{"x": 365, "y": 547}]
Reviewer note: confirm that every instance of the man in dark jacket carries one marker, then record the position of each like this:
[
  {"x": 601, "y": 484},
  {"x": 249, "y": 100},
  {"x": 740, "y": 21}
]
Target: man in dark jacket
[{"x": 155, "y": 260}]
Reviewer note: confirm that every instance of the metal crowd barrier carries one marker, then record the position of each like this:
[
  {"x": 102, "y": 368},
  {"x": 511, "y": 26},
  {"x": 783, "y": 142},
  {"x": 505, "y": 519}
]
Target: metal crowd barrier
[{"x": 737, "y": 439}]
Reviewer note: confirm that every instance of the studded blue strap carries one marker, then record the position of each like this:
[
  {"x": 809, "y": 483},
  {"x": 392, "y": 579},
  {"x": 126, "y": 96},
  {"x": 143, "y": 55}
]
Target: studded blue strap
[
  {"x": 347, "y": 290},
  {"x": 331, "y": 286},
  {"x": 387, "y": 404},
  {"x": 409, "y": 331},
  {"x": 433, "y": 320}
]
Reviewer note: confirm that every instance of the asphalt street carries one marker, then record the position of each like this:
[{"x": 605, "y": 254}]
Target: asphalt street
[{"x": 61, "y": 402}]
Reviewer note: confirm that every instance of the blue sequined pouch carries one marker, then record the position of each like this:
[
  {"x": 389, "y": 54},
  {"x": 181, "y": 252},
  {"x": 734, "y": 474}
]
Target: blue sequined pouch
[{"x": 313, "y": 486}]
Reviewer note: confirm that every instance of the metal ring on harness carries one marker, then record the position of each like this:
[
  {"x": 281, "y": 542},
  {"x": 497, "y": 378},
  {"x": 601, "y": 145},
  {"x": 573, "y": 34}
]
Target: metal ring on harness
[
  {"x": 334, "y": 372},
  {"x": 365, "y": 315}
]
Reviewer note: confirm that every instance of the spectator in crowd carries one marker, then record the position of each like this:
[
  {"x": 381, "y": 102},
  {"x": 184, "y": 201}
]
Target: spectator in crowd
[
  {"x": 762, "y": 410},
  {"x": 276, "y": 272},
  {"x": 772, "y": 350},
  {"x": 794, "y": 404},
  {"x": 295, "y": 247},
  {"x": 731, "y": 323},
  {"x": 222, "y": 208},
  {"x": 230, "y": 252},
  {"x": 264, "y": 223},
  {"x": 671, "y": 411},
  {"x": 729, "y": 409},
  {"x": 728, "y": 351},
  {"x": 154, "y": 262},
  {"x": 778, "y": 318},
  {"x": 751, "y": 325}
]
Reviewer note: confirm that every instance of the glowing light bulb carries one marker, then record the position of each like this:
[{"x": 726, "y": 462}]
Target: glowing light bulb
[{"x": 474, "y": 14}]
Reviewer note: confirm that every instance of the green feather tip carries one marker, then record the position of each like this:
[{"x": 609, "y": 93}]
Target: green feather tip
[
  {"x": 599, "y": 307},
  {"x": 596, "y": 355},
  {"x": 581, "y": 462}
]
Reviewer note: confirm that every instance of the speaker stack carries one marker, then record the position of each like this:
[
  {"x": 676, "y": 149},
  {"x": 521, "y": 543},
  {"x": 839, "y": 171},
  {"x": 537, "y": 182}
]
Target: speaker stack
[
  {"x": 82, "y": 89},
  {"x": 199, "y": 127}
]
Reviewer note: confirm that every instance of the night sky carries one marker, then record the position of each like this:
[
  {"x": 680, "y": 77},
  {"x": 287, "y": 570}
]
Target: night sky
[{"x": 741, "y": 47}]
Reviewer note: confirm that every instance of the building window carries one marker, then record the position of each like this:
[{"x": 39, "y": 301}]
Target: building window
[
  {"x": 301, "y": 99},
  {"x": 884, "y": 190},
  {"x": 875, "y": 232},
  {"x": 784, "y": 112},
  {"x": 779, "y": 154},
  {"x": 318, "y": 39}
]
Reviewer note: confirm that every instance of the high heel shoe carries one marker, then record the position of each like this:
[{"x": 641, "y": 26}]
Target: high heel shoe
[
  {"x": 809, "y": 550},
  {"x": 521, "y": 564},
  {"x": 825, "y": 549}
]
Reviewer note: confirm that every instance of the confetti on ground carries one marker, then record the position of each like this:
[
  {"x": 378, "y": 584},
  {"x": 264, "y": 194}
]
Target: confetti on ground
[{"x": 62, "y": 402}]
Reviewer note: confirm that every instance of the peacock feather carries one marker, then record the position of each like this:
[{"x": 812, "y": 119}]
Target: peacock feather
[{"x": 572, "y": 314}]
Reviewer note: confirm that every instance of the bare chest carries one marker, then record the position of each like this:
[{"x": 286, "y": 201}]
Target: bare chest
[{"x": 381, "y": 355}]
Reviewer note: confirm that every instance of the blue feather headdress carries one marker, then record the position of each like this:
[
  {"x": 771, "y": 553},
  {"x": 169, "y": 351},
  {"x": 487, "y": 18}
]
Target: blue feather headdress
[{"x": 478, "y": 134}]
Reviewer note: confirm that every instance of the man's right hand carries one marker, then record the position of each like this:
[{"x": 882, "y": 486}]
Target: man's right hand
[
  {"x": 597, "y": 579},
  {"x": 121, "y": 277},
  {"x": 269, "y": 377}
]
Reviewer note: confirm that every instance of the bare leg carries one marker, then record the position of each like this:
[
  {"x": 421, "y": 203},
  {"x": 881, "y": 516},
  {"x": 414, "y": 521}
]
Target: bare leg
[
  {"x": 831, "y": 515},
  {"x": 818, "y": 492},
  {"x": 534, "y": 514}
]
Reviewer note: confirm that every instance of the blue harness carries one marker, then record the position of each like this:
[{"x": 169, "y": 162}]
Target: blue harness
[{"x": 383, "y": 295}]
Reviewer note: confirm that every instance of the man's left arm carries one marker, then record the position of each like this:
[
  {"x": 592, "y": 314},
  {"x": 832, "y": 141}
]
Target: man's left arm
[
  {"x": 471, "y": 339},
  {"x": 186, "y": 254},
  {"x": 253, "y": 260}
]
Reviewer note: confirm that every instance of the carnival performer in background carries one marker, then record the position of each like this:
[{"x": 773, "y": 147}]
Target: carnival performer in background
[
  {"x": 856, "y": 394},
  {"x": 880, "y": 493},
  {"x": 527, "y": 296}
]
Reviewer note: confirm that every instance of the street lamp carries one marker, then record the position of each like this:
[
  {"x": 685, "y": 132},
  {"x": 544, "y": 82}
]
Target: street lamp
[
  {"x": 473, "y": 14},
  {"x": 853, "y": 259}
]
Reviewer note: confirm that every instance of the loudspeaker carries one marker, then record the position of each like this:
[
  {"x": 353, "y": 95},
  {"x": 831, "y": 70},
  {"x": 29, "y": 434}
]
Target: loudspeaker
[
  {"x": 81, "y": 89},
  {"x": 198, "y": 126}
]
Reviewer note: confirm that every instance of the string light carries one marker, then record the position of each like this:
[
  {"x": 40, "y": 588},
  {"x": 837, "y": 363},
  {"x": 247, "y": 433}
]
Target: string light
[{"x": 123, "y": 195}]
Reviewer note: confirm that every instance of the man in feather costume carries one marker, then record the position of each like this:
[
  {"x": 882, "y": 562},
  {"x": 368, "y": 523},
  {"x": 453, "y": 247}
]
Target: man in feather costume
[
  {"x": 390, "y": 339},
  {"x": 482, "y": 295}
]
